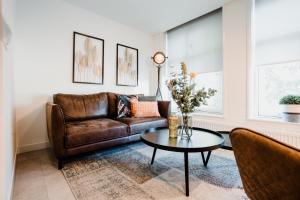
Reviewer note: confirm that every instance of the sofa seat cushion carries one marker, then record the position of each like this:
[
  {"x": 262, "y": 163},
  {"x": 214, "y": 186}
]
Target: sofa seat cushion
[
  {"x": 91, "y": 131},
  {"x": 138, "y": 125}
]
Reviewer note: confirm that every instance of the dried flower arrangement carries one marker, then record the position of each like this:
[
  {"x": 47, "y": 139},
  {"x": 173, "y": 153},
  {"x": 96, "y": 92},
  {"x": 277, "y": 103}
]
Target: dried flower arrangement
[{"x": 182, "y": 88}]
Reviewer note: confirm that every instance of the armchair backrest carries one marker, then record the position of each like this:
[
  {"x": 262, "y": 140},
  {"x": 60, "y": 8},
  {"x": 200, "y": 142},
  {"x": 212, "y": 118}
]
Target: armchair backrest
[{"x": 269, "y": 169}]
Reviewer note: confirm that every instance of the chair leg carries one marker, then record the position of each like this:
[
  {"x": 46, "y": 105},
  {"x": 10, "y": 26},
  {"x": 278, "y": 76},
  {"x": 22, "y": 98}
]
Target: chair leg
[{"x": 60, "y": 164}]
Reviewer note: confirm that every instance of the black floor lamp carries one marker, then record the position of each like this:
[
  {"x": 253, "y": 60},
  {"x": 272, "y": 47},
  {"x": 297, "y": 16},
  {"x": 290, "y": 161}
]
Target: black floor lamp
[{"x": 159, "y": 58}]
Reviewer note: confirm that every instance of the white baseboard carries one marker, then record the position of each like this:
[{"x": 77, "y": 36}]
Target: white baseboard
[{"x": 33, "y": 147}]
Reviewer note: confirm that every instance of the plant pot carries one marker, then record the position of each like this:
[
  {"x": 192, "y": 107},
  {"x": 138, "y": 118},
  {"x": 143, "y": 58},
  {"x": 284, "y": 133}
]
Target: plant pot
[{"x": 291, "y": 112}]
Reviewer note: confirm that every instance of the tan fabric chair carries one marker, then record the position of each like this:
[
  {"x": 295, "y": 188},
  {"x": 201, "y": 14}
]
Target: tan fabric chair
[{"x": 269, "y": 169}]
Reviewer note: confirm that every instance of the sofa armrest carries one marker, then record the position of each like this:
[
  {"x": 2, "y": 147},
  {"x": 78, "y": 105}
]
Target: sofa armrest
[
  {"x": 164, "y": 108},
  {"x": 56, "y": 129}
]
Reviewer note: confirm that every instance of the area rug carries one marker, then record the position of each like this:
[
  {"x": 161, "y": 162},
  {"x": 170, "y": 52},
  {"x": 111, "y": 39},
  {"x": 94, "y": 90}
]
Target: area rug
[{"x": 125, "y": 173}]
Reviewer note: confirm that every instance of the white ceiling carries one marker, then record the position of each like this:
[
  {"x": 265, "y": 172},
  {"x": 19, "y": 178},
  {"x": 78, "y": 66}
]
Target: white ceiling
[{"x": 152, "y": 16}]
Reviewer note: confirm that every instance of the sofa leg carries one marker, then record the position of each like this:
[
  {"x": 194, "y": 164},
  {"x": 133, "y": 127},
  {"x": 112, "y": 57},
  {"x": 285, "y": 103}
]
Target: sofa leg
[{"x": 60, "y": 164}]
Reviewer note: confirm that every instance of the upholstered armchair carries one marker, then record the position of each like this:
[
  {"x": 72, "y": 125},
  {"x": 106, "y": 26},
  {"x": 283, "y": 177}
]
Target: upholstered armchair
[{"x": 269, "y": 169}]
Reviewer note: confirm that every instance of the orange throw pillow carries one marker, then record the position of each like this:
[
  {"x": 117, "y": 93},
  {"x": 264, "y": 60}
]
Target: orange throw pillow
[
  {"x": 133, "y": 106},
  {"x": 144, "y": 108}
]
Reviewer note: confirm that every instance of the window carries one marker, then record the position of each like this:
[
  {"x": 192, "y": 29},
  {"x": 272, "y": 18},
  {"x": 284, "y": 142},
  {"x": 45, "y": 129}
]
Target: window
[
  {"x": 198, "y": 43},
  {"x": 277, "y": 54}
]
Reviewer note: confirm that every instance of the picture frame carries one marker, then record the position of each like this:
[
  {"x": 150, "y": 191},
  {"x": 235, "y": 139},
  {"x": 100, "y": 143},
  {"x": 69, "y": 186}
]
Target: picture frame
[
  {"x": 127, "y": 61},
  {"x": 88, "y": 59}
]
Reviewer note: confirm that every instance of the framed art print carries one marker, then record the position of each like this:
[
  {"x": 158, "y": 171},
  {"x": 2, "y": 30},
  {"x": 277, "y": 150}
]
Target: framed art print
[
  {"x": 88, "y": 59},
  {"x": 127, "y": 65}
]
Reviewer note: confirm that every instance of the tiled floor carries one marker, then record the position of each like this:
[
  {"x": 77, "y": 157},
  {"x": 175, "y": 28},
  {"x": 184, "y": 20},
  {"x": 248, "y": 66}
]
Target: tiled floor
[{"x": 37, "y": 178}]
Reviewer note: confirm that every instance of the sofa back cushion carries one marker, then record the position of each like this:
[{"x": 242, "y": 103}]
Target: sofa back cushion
[
  {"x": 77, "y": 107},
  {"x": 112, "y": 104},
  {"x": 96, "y": 105}
]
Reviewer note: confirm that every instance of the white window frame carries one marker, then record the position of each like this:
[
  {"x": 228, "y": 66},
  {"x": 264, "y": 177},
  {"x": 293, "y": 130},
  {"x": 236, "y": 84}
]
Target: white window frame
[
  {"x": 251, "y": 76},
  {"x": 252, "y": 73}
]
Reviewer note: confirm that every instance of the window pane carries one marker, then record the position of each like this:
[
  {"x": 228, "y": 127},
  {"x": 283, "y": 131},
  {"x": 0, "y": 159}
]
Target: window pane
[
  {"x": 276, "y": 81},
  {"x": 277, "y": 53},
  {"x": 212, "y": 80},
  {"x": 199, "y": 44}
]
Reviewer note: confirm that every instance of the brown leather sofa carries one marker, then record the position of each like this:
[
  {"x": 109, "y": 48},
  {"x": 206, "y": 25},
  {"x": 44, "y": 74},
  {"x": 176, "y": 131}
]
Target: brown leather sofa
[
  {"x": 269, "y": 169},
  {"x": 82, "y": 123}
]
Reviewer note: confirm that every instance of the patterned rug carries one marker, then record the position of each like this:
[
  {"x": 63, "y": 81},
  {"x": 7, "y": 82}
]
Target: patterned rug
[{"x": 125, "y": 173}]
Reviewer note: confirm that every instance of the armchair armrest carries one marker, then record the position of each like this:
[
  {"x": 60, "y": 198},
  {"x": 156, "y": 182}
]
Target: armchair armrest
[
  {"x": 56, "y": 129},
  {"x": 164, "y": 108}
]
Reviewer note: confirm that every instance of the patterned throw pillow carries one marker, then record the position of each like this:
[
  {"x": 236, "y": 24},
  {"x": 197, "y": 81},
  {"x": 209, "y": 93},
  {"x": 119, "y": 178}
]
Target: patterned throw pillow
[
  {"x": 124, "y": 106},
  {"x": 144, "y": 108}
]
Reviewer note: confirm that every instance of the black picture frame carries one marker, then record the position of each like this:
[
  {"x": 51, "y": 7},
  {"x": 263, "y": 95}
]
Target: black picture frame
[
  {"x": 74, "y": 58},
  {"x": 117, "y": 66}
]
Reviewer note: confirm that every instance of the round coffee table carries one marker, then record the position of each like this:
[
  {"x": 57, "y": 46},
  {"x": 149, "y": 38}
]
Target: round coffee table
[{"x": 202, "y": 140}]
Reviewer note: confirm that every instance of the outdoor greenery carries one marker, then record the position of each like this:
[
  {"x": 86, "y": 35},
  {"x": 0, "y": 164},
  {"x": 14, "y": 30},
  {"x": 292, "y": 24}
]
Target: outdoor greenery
[
  {"x": 290, "y": 99},
  {"x": 183, "y": 91}
]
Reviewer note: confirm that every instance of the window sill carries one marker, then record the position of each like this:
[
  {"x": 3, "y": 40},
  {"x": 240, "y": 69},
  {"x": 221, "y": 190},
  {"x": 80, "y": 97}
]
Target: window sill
[
  {"x": 206, "y": 114},
  {"x": 272, "y": 119},
  {"x": 201, "y": 114}
]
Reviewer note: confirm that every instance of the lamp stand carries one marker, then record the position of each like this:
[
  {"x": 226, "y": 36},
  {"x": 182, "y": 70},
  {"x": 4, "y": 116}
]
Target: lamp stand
[{"x": 158, "y": 91}]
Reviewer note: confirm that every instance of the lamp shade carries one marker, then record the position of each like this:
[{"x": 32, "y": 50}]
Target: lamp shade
[{"x": 159, "y": 58}]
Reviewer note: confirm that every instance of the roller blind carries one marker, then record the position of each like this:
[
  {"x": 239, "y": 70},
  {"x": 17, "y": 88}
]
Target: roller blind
[
  {"x": 198, "y": 43},
  {"x": 277, "y": 31}
]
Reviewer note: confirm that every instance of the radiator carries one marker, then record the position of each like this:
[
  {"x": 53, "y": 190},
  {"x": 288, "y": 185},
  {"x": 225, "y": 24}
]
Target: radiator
[{"x": 291, "y": 138}]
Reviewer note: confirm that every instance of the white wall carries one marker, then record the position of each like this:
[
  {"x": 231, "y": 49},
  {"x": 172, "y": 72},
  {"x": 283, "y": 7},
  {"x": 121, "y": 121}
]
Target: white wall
[
  {"x": 7, "y": 133},
  {"x": 44, "y": 60}
]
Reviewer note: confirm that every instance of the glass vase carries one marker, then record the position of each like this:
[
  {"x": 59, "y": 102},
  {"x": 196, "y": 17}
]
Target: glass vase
[{"x": 186, "y": 130}]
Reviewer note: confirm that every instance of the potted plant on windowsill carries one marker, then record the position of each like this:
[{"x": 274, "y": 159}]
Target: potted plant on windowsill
[{"x": 290, "y": 105}]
